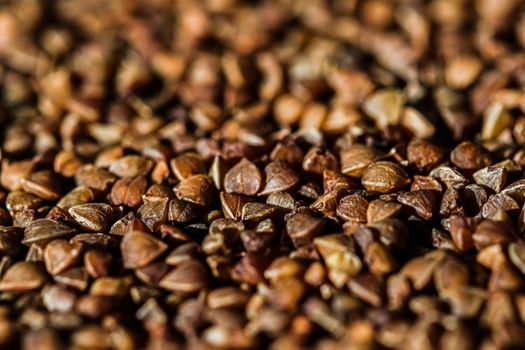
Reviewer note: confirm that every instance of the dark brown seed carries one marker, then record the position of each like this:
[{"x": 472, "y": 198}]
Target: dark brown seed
[
  {"x": 95, "y": 240},
  {"x": 120, "y": 227},
  {"x": 66, "y": 163},
  {"x": 285, "y": 294},
  {"x": 491, "y": 177},
  {"x": 281, "y": 199},
  {"x": 196, "y": 189},
  {"x": 154, "y": 213},
  {"x": 491, "y": 256},
  {"x": 366, "y": 287},
  {"x": 516, "y": 253},
  {"x": 282, "y": 268},
  {"x": 303, "y": 227},
  {"x": 190, "y": 276},
  {"x": 423, "y": 202},
  {"x": 356, "y": 158},
  {"x": 10, "y": 239},
  {"x": 249, "y": 270},
  {"x": 229, "y": 297},
  {"x": 186, "y": 165},
  {"x": 450, "y": 177},
  {"x": 94, "y": 178},
  {"x": 152, "y": 315},
  {"x": 392, "y": 232},
  {"x": 470, "y": 156},
  {"x": 499, "y": 310},
  {"x": 505, "y": 277},
  {"x": 97, "y": 263},
  {"x": 398, "y": 290},
  {"x": 45, "y": 338},
  {"x": 255, "y": 211},
  {"x": 421, "y": 269},
  {"x": 280, "y": 177},
  {"x": 256, "y": 242},
  {"x": 474, "y": 196},
  {"x": 310, "y": 190},
  {"x": 333, "y": 181},
  {"x": 12, "y": 173},
  {"x": 466, "y": 302},
  {"x": 442, "y": 240},
  {"x": 244, "y": 178},
  {"x": 43, "y": 184},
  {"x": 218, "y": 172},
  {"x": 151, "y": 274},
  {"x": 94, "y": 217},
  {"x": 160, "y": 172},
  {"x": 182, "y": 212},
  {"x": 5, "y": 217},
  {"x": 129, "y": 191},
  {"x": 117, "y": 287},
  {"x": 384, "y": 106},
  {"x": 60, "y": 255},
  {"x": 77, "y": 196},
  {"x": 450, "y": 273},
  {"x": 317, "y": 160},
  {"x": 232, "y": 204},
  {"x": 384, "y": 177},
  {"x": 379, "y": 259},
  {"x": 157, "y": 192},
  {"x": 327, "y": 203},
  {"x": 59, "y": 214},
  {"x": 424, "y": 155},
  {"x": 364, "y": 236},
  {"x": 461, "y": 231},
  {"x": 220, "y": 266},
  {"x": 22, "y": 277},
  {"x": 76, "y": 278},
  {"x": 379, "y": 210},
  {"x": 35, "y": 253},
  {"x": 93, "y": 306},
  {"x": 226, "y": 226},
  {"x": 184, "y": 252},
  {"x": 426, "y": 183},
  {"x": 516, "y": 190},
  {"x": 490, "y": 232},
  {"x": 353, "y": 208},
  {"x": 451, "y": 203},
  {"x": 318, "y": 312},
  {"x": 106, "y": 157},
  {"x": 140, "y": 248},
  {"x": 499, "y": 201},
  {"x": 44, "y": 230}
]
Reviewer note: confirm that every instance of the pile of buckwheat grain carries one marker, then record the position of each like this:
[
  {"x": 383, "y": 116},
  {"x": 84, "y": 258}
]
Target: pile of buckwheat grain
[{"x": 282, "y": 174}]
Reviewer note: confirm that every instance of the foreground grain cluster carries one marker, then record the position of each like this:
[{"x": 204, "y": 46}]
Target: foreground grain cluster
[{"x": 285, "y": 174}]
